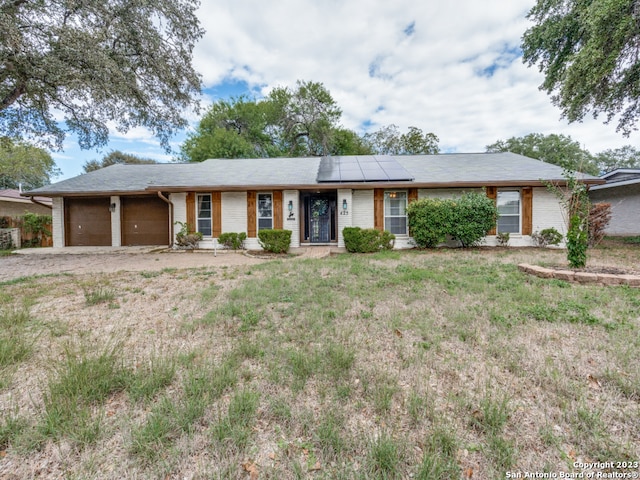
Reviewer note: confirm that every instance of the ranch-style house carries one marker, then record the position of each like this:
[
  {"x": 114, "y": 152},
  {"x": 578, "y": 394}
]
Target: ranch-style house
[{"x": 315, "y": 198}]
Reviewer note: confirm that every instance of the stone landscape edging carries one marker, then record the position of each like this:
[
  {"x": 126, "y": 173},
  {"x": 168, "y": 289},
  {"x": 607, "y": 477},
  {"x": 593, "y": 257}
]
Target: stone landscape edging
[{"x": 581, "y": 277}]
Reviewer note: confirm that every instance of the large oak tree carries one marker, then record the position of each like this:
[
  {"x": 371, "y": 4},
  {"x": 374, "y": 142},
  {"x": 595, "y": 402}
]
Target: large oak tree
[
  {"x": 26, "y": 166},
  {"x": 293, "y": 122},
  {"x": 559, "y": 150},
  {"x": 589, "y": 52},
  {"x": 82, "y": 66},
  {"x": 116, "y": 157}
]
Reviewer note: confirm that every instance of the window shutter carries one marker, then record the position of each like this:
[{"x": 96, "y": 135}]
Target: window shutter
[
  {"x": 378, "y": 209},
  {"x": 527, "y": 210},
  {"x": 413, "y": 195},
  {"x": 277, "y": 209},
  {"x": 251, "y": 214},
  {"x": 191, "y": 211},
  {"x": 492, "y": 193},
  {"x": 216, "y": 213}
]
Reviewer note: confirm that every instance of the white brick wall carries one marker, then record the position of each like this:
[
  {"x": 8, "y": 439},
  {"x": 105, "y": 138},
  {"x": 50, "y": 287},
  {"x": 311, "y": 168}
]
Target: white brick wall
[
  {"x": 547, "y": 211},
  {"x": 234, "y": 212},
  {"x": 179, "y": 201},
  {"x": 345, "y": 217},
  {"x": 362, "y": 209},
  {"x": 291, "y": 223},
  {"x": 57, "y": 214},
  {"x": 116, "y": 236},
  {"x": 625, "y": 208},
  {"x": 445, "y": 193}
]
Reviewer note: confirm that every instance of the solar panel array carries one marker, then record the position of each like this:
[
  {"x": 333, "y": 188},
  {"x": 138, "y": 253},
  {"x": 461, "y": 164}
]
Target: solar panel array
[{"x": 361, "y": 169}]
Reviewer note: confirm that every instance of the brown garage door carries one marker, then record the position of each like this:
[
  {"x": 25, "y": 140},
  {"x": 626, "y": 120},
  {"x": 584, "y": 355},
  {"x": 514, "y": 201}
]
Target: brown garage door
[
  {"x": 87, "y": 221},
  {"x": 145, "y": 221}
]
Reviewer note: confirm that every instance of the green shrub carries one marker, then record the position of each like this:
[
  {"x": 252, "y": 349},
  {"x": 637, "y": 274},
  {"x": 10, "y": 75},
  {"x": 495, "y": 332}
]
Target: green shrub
[
  {"x": 548, "y": 236},
  {"x": 466, "y": 219},
  {"x": 474, "y": 215},
  {"x": 232, "y": 239},
  {"x": 573, "y": 197},
  {"x": 367, "y": 240},
  {"x": 276, "y": 241},
  {"x": 577, "y": 242},
  {"x": 429, "y": 221}
]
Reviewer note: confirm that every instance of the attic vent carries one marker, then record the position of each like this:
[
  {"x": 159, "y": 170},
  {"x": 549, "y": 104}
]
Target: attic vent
[{"x": 361, "y": 169}]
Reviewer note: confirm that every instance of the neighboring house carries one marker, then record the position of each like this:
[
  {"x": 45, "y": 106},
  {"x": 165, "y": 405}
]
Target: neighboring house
[
  {"x": 622, "y": 191},
  {"x": 12, "y": 204},
  {"x": 315, "y": 197}
]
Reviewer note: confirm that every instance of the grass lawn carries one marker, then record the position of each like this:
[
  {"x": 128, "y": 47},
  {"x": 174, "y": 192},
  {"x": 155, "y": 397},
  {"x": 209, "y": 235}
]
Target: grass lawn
[{"x": 428, "y": 365}]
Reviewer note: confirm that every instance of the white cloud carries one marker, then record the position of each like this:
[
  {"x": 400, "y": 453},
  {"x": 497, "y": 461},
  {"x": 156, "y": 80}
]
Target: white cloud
[{"x": 452, "y": 68}]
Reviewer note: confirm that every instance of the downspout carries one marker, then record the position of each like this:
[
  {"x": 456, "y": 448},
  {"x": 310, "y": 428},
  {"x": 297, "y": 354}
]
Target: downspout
[
  {"x": 165, "y": 199},
  {"x": 50, "y": 207}
]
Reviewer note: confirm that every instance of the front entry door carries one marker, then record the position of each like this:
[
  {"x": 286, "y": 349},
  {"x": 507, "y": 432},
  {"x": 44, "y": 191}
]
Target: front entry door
[{"x": 320, "y": 222}]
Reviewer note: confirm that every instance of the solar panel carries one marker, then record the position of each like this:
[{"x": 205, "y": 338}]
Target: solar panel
[{"x": 361, "y": 169}]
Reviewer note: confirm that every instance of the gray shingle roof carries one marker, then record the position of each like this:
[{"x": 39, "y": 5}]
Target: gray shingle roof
[{"x": 427, "y": 170}]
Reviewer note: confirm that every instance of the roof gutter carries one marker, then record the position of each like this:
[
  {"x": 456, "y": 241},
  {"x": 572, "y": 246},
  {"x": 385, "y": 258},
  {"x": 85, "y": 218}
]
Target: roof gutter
[
  {"x": 33, "y": 199},
  {"x": 170, "y": 203}
]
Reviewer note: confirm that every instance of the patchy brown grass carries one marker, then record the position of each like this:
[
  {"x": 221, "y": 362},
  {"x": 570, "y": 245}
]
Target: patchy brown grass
[{"x": 433, "y": 364}]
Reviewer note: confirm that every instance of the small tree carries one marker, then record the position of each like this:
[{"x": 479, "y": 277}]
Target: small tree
[{"x": 575, "y": 201}]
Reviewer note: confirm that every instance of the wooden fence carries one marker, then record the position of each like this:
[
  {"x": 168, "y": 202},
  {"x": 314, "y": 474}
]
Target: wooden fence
[{"x": 28, "y": 239}]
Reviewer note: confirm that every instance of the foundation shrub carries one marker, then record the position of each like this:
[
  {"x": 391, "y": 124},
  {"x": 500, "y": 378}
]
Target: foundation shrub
[
  {"x": 474, "y": 214},
  {"x": 429, "y": 221},
  {"x": 503, "y": 238},
  {"x": 275, "y": 241},
  {"x": 232, "y": 240},
  {"x": 466, "y": 219},
  {"x": 548, "y": 236},
  {"x": 367, "y": 240},
  {"x": 187, "y": 238}
]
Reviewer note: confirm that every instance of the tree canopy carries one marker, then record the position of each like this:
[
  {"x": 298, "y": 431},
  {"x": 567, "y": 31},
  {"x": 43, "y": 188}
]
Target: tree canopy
[
  {"x": 589, "y": 52},
  {"x": 623, "y": 157},
  {"x": 122, "y": 63},
  {"x": 559, "y": 150},
  {"x": 389, "y": 141},
  {"x": 116, "y": 157},
  {"x": 26, "y": 165},
  {"x": 298, "y": 122}
]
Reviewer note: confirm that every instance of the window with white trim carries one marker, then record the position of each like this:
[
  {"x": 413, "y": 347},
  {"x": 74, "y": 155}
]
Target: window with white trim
[
  {"x": 203, "y": 204},
  {"x": 508, "y": 203},
  {"x": 265, "y": 211},
  {"x": 395, "y": 212}
]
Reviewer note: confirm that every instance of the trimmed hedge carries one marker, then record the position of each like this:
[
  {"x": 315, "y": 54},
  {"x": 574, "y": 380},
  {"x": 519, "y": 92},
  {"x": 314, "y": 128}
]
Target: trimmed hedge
[
  {"x": 368, "y": 240},
  {"x": 276, "y": 241},
  {"x": 466, "y": 219},
  {"x": 232, "y": 239}
]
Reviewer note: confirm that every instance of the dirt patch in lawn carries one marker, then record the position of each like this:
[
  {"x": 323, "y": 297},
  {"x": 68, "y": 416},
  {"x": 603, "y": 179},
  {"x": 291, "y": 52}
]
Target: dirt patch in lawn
[
  {"x": 16, "y": 266},
  {"x": 391, "y": 365}
]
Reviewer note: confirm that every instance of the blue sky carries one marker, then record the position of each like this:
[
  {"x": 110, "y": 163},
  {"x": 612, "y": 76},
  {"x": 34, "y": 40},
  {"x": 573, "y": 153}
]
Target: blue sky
[{"x": 451, "y": 68}]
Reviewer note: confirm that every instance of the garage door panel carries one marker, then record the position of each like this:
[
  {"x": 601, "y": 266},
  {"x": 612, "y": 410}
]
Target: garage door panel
[
  {"x": 145, "y": 221},
  {"x": 87, "y": 222}
]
